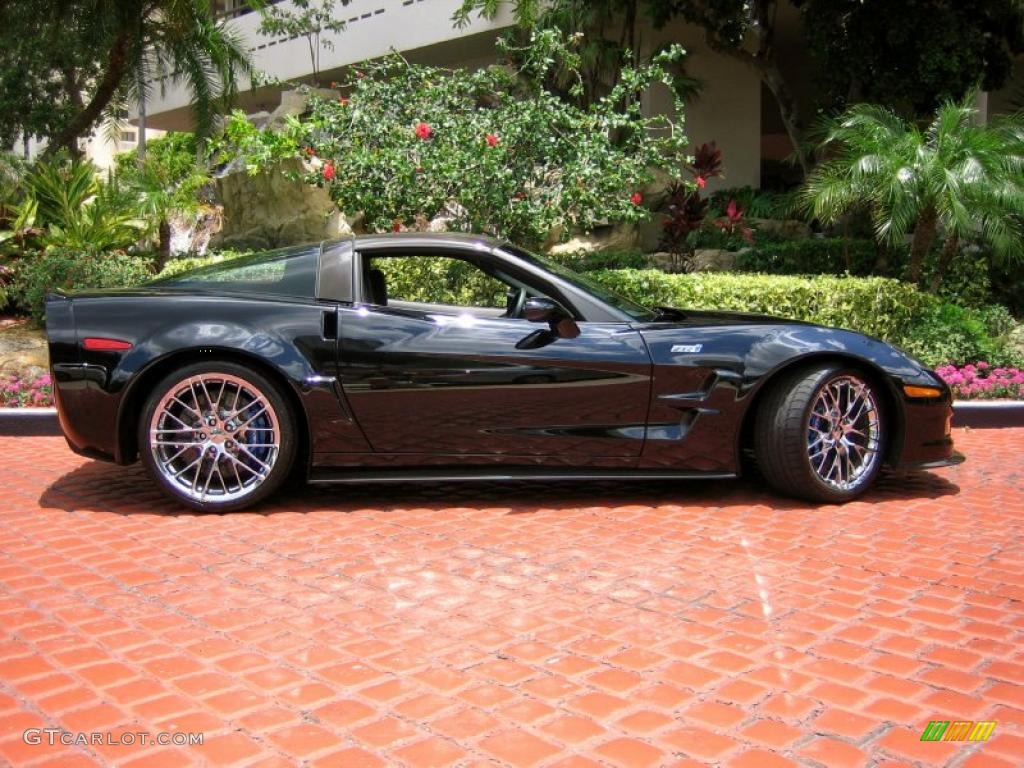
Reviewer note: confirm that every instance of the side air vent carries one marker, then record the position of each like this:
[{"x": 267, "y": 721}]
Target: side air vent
[{"x": 331, "y": 324}]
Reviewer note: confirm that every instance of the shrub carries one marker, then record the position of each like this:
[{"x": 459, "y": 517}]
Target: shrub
[
  {"x": 832, "y": 256},
  {"x": 61, "y": 268},
  {"x": 187, "y": 263},
  {"x": 876, "y": 306},
  {"x": 491, "y": 150},
  {"x": 897, "y": 312},
  {"x": 584, "y": 261}
]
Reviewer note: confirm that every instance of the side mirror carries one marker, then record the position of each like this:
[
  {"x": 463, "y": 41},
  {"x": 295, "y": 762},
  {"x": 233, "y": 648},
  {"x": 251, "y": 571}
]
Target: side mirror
[
  {"x": 538, "y": 309},
  {"x": 543, "y": 310}
]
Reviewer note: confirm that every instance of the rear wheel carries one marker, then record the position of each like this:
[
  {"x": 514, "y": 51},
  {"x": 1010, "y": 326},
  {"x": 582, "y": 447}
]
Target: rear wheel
[
  {"x": 820, "y": 434},
  {"x": 217, "y": 436}
]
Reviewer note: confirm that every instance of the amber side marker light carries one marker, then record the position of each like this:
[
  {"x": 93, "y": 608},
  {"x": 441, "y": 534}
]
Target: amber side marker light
[
  {"x": 95, "y": 344},
  {"x": 912, "y": 391}
]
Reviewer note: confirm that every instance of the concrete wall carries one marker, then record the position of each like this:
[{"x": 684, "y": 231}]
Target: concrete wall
[{"x": 727, "y": 110}]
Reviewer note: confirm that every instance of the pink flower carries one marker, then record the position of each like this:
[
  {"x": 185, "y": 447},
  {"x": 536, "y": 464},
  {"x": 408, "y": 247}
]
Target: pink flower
[
  {"x": 636, "y": 198},
  {"x": 701, "y": 182},
  {"x": 491, "y": 139},
  {"x": 328, "y": 171},
  {"x": 982, "y": 365},
  {"x": 424, "y": 131}
]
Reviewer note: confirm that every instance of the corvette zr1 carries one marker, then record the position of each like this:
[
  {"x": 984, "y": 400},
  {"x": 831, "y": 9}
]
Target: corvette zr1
[{"x": 417, "y": 357}]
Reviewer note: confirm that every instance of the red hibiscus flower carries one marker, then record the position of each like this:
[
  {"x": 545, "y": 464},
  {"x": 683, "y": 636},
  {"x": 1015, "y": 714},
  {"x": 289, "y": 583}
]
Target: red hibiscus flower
[
  {"x": 396, "y": 225},
  {"x": 424, "y": 131},
  {"x": 492, "y": 140},
  {"x": 328, "y": 171},
  {"x": 636, "y": 198},
  {"x": 701, "y": 182}
]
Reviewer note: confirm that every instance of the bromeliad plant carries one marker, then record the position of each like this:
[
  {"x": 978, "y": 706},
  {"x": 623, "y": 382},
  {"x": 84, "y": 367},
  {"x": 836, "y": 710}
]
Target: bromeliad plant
[{"x": 490, "y": 150}]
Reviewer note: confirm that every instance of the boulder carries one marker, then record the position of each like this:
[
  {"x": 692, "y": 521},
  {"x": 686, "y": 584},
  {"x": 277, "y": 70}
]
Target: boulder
[
  {"x": 608, "y": 238},
  {"x": 275, "y": 208},
  {"x": 713, "y": 260}
]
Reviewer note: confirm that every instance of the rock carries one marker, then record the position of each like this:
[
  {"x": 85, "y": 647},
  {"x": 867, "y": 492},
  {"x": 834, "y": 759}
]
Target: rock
[
  {"x": 275, "y": 208},
  {"x": 713, "y": 260},
  {"x": 792, "y": 229},
  {"x": 296, "y": 102},
  {"x": 649, "y": 232},
  {"x": 619, "y": 237},
  {"x": 23, "y": 351}
]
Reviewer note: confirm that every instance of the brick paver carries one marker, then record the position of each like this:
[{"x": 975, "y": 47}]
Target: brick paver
[{"x": 599, "y": 624}]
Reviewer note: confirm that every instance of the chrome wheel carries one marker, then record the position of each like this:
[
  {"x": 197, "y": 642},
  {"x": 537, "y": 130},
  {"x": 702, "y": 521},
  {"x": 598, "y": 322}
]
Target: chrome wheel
[
  {"x": 843, "y": 433},
  {"x": 214, "y": 437}
]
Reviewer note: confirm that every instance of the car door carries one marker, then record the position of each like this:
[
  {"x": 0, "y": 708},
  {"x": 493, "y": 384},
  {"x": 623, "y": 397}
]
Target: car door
[{"x": 462, "y": 383}]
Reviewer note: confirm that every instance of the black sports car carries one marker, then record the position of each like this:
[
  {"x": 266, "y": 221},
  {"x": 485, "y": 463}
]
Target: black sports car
[{"x": 407, "y": 357}]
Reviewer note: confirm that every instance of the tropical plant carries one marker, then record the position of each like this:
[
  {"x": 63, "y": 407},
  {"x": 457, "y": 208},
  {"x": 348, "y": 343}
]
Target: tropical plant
[
  {"x": 954, "y": 180},
  {"x": 166, "y": 184},
  {"x": 311, "y": 19},
  {"x": 76, "y": 61},
  {"x": 65, "y": 205},
  {"x": 685, "y": 208},
  {"x": 488, "y": 150}
]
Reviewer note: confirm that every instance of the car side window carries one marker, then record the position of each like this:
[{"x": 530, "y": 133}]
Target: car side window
[{"x": 437, "y": 280}]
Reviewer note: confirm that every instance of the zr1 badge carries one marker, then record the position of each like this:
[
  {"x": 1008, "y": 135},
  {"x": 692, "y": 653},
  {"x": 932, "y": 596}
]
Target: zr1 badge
[{"x": 687, "y": 348}]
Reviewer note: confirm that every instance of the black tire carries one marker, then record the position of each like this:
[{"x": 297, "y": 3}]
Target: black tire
[
  {"x": 277, "y": 416},
  {"x": 784, "y": 435}
]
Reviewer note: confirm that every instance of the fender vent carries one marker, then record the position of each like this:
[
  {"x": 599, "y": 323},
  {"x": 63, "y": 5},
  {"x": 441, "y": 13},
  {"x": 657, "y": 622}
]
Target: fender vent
[{"x": 330, "y": 325}]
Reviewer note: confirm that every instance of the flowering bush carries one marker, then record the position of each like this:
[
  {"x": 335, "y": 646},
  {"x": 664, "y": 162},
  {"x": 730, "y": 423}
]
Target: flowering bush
[
  {"x": 980, "y": 381},
  {"x": 488, "y": 150},
  {"x": 16, "y": 392}
]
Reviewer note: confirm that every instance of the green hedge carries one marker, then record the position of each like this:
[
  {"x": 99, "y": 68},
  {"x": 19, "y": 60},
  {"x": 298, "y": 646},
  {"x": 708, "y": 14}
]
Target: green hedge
[
  {"x": 874, "y": 305},
  {"x": 934, "y": 331},
  {"x": 809, "y": 256}
]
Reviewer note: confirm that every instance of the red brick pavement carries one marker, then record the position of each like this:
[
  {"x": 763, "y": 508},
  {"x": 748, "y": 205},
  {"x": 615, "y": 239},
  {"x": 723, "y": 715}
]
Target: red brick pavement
[{"x": 606, "y": 624}]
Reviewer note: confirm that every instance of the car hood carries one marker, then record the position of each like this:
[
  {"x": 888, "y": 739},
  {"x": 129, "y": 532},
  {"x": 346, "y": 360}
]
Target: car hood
[{"x": 673, "y": 316}]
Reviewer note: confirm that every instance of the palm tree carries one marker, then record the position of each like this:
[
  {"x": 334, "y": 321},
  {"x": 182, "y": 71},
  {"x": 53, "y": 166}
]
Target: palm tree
[
  {"x": 175, "y": 40},
  {"x": 953, "y": 180}
]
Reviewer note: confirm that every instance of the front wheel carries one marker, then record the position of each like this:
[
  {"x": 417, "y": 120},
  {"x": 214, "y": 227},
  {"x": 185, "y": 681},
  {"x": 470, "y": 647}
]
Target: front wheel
[
  {"x": 821, "y": 433},
  {"x": 217, "y": 436}
]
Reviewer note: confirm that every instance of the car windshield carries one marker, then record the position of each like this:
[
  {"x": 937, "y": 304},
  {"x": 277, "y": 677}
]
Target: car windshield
[{"x": 587, "y": 284}]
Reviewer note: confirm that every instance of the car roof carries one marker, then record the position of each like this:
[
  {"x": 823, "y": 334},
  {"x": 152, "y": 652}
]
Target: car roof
[{"x": 427, "y": 239}]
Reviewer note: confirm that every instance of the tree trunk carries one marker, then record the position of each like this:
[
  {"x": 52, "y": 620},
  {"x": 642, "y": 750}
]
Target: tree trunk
[
  {"x": 924, "y": 236},
  {"x": 163, "y": 252},
  {"x": 788, "y": 110},
  {"x": 946, "y": 256},
  {"x": 83, "y": 121}
]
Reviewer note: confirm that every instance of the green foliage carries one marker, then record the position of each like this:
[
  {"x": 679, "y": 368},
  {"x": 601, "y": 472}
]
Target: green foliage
[
  {"x": 184, "y": 264},
  {"x": 66, "y": 206},
  {"x": 71, "y": 269},
  {"x": 935, "y": 332},
  {"x": 584, "y": 261},
  {"x": 810, "y": 256},
  {"x": 166, "y": 184},
  {"x": 64, "y": 66},
  {"x": 873, "y": 305},
  {"x": 956, "y": 175},
  {"x": 440, "y": 280},
  {"x": 947, "y": 333},
  {"x": 490, "y": 150},
  {"x": 756, "y": 203},
  {"x": 914, "y": 54}
]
